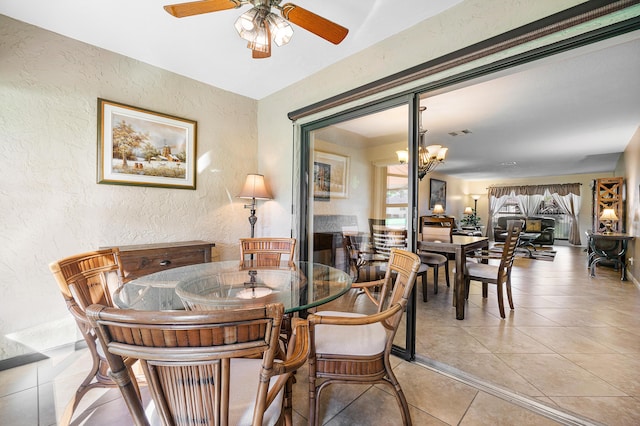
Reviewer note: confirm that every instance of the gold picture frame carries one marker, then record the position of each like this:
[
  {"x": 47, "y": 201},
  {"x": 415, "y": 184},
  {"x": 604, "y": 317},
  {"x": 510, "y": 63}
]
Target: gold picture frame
[{"x": 145, "y": 148}]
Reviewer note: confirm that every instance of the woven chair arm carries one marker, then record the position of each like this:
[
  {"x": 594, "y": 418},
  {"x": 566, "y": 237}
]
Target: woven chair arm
[
  {"x": 365, "y": 319},
  {"x": 297, "y": 354},
  {"x": 298, "y": 348},
  {"x": 366, "y": 285},
  {"x": 78, "y": 313}
]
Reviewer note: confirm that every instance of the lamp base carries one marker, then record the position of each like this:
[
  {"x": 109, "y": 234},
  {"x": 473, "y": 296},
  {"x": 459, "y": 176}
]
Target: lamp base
[{"x": 607, "y": 228}]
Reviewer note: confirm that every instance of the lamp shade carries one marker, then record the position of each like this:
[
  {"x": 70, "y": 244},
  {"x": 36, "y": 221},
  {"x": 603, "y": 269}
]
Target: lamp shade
[
  {"x": 403, "y": 156},
  {"x": 468, "y": 210},
  {"x": 254, "y": 187},
  {"x": 608, "y": 214},
  {"x": 438, "y": 209}
]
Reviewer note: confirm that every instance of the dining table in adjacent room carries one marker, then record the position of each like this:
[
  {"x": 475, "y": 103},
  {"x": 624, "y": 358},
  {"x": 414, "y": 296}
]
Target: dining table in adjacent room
[{"x": 459, "y": 246}]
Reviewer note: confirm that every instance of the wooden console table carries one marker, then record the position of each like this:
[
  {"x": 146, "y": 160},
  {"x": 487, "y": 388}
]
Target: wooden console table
[{"x": 145, "y": 259}]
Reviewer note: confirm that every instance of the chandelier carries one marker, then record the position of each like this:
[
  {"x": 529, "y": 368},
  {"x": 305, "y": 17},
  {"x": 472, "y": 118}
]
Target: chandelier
[{"x": 429, "y": 157}]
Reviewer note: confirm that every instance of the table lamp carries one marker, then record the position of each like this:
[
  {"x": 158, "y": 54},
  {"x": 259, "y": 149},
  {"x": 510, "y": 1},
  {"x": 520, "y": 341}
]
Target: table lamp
[
  {"x": 254, "y": 189},
  {"x": 468, "y": 210},
  {"x": 438, "y": 209},
  {"x": 608, "y": 216}
]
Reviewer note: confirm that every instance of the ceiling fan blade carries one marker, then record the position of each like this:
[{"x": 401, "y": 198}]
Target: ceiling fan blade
[
  {"x": 257, "y": 54},
  {"x": 316, "y": 24},
  {"x": 181, "y": 10}
]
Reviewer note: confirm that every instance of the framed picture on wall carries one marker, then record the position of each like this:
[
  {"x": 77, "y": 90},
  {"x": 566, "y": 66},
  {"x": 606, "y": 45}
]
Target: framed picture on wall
[
  {"x": 330, "y": 176},
  {"x": 321, "y": 181},
  {"x": 437, "y": 193},
  {"x": 145, "y": 148}
]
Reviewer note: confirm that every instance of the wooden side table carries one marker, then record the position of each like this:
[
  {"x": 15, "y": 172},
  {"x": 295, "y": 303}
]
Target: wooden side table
[{"x": 145, "y": 259}]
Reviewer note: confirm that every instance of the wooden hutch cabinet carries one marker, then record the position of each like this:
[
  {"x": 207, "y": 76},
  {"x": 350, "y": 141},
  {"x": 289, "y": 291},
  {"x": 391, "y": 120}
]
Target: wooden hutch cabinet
[{"x": 608, "y": 193}]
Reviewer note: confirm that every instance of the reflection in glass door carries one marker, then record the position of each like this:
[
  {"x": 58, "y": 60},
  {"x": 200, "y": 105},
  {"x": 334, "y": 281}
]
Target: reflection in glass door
[{"x": 358, "y": 194}]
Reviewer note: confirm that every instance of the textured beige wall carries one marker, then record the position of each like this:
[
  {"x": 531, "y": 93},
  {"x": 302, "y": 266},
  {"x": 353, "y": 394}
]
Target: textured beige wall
[
  {"x": 629, "y": 167},
  {"x": 51, "y": 204}
]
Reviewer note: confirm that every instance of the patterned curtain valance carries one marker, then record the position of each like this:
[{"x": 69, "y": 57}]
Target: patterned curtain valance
[{"x": 556, "y": 188}]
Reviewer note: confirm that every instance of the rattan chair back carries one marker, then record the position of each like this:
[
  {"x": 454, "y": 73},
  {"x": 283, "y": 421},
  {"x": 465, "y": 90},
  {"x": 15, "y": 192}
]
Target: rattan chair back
[
  {"x": 200, "y": 365},
  {"x": 85, "y": 279},
  {"x": 267, "y": 251}
]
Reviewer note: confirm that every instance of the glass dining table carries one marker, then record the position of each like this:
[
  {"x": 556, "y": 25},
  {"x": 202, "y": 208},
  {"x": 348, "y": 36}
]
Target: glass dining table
[{"x": 231, "y": 285}]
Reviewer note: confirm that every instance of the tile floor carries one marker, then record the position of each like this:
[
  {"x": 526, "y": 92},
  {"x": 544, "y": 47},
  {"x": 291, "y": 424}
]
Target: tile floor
[{"x": 568, "y": 354}]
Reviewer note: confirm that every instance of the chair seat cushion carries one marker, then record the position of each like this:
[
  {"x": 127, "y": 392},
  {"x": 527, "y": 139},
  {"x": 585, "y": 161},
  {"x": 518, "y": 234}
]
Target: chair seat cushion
[
  {"x": 482, "y": 270},
  {"x": 433, "y": 258},
  {"x": 369, "y": 339}
]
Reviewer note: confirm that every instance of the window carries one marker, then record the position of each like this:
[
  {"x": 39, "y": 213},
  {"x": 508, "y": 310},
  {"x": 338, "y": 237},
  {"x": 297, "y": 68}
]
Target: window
[
  {"x": 548, "y": 207},
  {"x": 397, "y": 195}
]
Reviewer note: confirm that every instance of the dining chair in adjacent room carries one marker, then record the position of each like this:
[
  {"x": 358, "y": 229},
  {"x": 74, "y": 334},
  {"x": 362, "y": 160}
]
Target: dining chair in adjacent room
[
  {"x": 496, "y": 274},
  {"x": 435, "y": 232},
  {"x": 85, "y": 279},
  {"x": 205, "y": 367},
  {"x": 346, "y": 347},
  {"x": 267, "y": 251}
]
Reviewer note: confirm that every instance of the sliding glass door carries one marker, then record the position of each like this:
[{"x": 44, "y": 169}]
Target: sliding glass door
[{"x": 353, "y": 186}]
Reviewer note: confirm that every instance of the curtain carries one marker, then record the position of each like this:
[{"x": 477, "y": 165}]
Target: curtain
[
  {"x": 529, "y": 203},
  {"x": 495, "y": 204},
  {"x": 557, "y": 188},
  {"x": 570, "y": 204}
]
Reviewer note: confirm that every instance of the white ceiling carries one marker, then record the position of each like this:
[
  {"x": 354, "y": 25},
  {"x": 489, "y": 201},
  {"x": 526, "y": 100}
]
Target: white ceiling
[
  {"x": 568, "y": 114},
  {"x": 207, "y": 47}
]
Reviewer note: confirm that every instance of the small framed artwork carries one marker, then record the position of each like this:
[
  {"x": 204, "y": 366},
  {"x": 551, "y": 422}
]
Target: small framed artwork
[
  {"x": 145, "y": 148},
  {"x": 437, "y": 193},
  {"x": 330, "y": 176},
  {"x": 321, "y": 181}
]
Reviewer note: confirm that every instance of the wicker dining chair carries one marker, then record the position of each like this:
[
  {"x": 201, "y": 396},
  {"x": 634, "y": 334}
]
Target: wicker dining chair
[
  {"x": 267, "y": 251},
  {"x": 496, "y": 274},
  {"x": 85, "y": 279},
  {"x": 205, "y": 367},
  {"x": 354, "y": 348}
]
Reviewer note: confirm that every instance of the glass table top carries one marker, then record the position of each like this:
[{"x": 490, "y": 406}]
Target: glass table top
[{"x": 230, "y": 285}]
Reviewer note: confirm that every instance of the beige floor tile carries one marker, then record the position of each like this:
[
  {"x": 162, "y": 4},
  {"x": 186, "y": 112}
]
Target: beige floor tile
[
  {"x": 618, "y": 411},
  {"x": 506, "y": 340},
  {"x": 555, "y": 375},
  {"x": 490, "y": 410},
  {"x": 615, "y": 338},
  {"x": 18, "y": 379},
  {"x": 442, "y": 397},
  {"x": 621, "y": 371},
  {"x": 576, "y": 317},
  {"x": 20, "y": 408},
  {"x": 562, "y": 340},
  {"x": 489, "y": 368},
  {"x": 449, "y": 339}
]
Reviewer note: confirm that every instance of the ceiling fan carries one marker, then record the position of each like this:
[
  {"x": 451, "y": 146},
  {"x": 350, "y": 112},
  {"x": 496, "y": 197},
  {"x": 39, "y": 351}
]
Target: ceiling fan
[{"x": 259, "y": 26}]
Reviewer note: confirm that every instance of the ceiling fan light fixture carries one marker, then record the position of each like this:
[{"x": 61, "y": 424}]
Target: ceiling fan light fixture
[
  {"x": 281, "y": 30},
  {"x": 261, "y": 40},
  {"x": 246, "y": 24}
]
